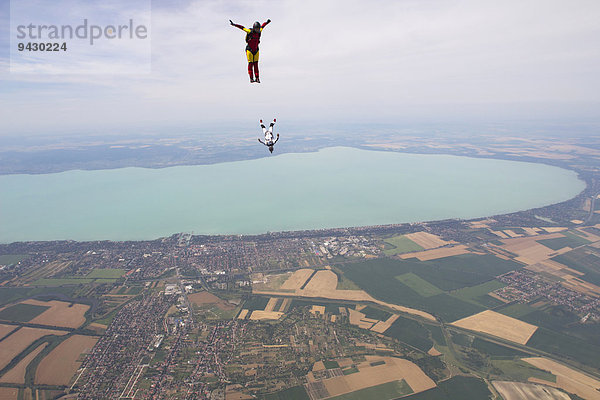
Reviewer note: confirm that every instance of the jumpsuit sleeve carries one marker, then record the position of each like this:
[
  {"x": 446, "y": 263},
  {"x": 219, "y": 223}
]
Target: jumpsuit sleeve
[
  {"x": 276, "y": 139},
  {"x": 239, "y": 26}
]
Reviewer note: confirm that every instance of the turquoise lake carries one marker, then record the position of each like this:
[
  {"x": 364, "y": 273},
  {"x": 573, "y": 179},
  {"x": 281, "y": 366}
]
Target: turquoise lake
[{"x": 334, "y": 187}]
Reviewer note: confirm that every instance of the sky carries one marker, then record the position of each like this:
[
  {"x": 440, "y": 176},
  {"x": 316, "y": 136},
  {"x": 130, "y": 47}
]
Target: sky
[{"x": 334, "y": 61}]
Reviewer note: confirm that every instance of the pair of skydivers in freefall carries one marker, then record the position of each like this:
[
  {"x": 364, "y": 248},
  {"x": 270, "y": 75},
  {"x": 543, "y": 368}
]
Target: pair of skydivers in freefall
[{"x": 252, "y": 42}]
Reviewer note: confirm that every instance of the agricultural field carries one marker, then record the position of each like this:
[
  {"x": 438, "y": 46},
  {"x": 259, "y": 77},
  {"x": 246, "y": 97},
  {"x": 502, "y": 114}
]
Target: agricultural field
[
  {"x": 22, "y": 312},
  {"x": 211, "y": 306},
  {"x": 528, "y": 391},
  {"x": 60, "y": 364},
  {"x": 400, "y": 244},
  {"x": 567, "y": 346},
  {"x": 479, "y": 293},
  {"x": 419, "y": 285},
  {"x": 323, "y": 284},
  {"x": 568, "y": 239},
  {"x": 106, "y": 273},
  {"x": 18, "y": 341},
  {"x": 59, "y": 313},
  {"x": 415, "y": 284},
  {"x": 567, "y": 378},
  {"x": 385, "y": 391},
  {"x": 17, "y": 373},
  {"x": 499, "y": 325},
  {"x": 583, "y": 260},
  {"x": 410, "y": 332},
  {"x": 372, "y": 373},
  {"x": 456, "y": 388},
  {"x": 435, "y": 254}
]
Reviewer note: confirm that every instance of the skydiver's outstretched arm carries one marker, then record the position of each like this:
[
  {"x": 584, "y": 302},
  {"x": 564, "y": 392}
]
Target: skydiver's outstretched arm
[
  {"x": 262, "y": 142},
  {"x": 276, "y": 139},
  {"x": 266, "y": 23},
  {"x": 236, "y": 25}
]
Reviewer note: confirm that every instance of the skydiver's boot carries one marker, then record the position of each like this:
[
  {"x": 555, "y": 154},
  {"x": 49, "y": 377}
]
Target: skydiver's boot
[{"x": 257, "y": 80}]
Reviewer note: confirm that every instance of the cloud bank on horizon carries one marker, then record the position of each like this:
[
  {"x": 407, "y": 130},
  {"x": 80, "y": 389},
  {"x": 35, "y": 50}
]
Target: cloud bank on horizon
[{"x": 338, "y": 60}]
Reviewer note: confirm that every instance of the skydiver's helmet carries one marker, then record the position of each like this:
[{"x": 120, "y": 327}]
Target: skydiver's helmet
[
  {"x": 271, "y": 149},
  {"x": 256, "y": 27}
]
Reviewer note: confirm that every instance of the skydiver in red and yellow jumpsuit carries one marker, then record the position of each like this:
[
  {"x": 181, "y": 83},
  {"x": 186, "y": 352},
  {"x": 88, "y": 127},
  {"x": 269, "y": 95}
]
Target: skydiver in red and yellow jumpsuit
[{"x": 252, "y": 40}]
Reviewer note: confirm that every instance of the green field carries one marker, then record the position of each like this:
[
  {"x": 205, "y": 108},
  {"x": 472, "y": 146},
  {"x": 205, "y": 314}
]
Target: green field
[
  {"x": 52, "y": 282},
  {"x": 106, "y": 273},
  {"x": 377, "y": 277},
  {"x": 569, "y": 240},
  {"x": 400, "y": 244},
  {"x": 386, "y": 391},
  {"x": 418, "y": 284},
  {"x": 516, "y": 310},
  {"x": 474, "y": 293},
  {"x": 375, "y": 313},
  {"x": 330, "y": 307},
  {"x": 520, "y": 370},
  {"x": 329, "y": 364},
  {"x": 10, "y": 259},
  {"x": 256, "y": 303},
  {"x": 22, "y": 312},
  {"x": 566, "y": 346},
  {"x": 410, "y": 332},
  {"x": 294, "y": 393},
  {"x": 496, "y": 350},
  {"x": 456, "y": 388},
  {"x": 583, "y": 261}
]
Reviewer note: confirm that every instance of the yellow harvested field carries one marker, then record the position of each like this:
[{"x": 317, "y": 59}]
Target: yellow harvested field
[
  {"x": 580, "y": 286},
  {"x": 243, "y": 313},
  {"x": 530, "y": 231},
  {"x": 483, "y": 223},
  {"x": 60, "y": 364},
  {"x": 322, "y": 281},
  {"x": 551, "y": 229},
  {"x": 499, "y": 325},
  {"x": 17, "y": 373},
  {"x": 529, "y": 251},
  {"x": 6, "y": 329},
  {"x": 18, "y": 341},
  {"x": 394, "y": 369},
  {"x": 318, "y": 366},
  {"x": 357, "y": 318},
  {"x": 577, "y": 221},
  {"x": 383, "y": 326},
  {"x": 512, "y": 234},
  {"x": 589, "y": 236},
  {"x": 271, "y": 304},
  {"x": 324, "y": 285},
  {"x": 427, "y": 240},
  {"x": 285, "y": 304},
  {"x": 571, "y": 386},
  {"x": 317, "y": 310},
  {"x": 567, "y": 378},
  {"x": 434, "y": 352},
  {"x": 437, "y": 253},
  {"x": 7, "y": 393},
  {"x": 297, "y": 279},
  {"x": 261, "y": 315},
  {"x": 60, "y": 313},
  {"x": 528, "y": 391}
]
